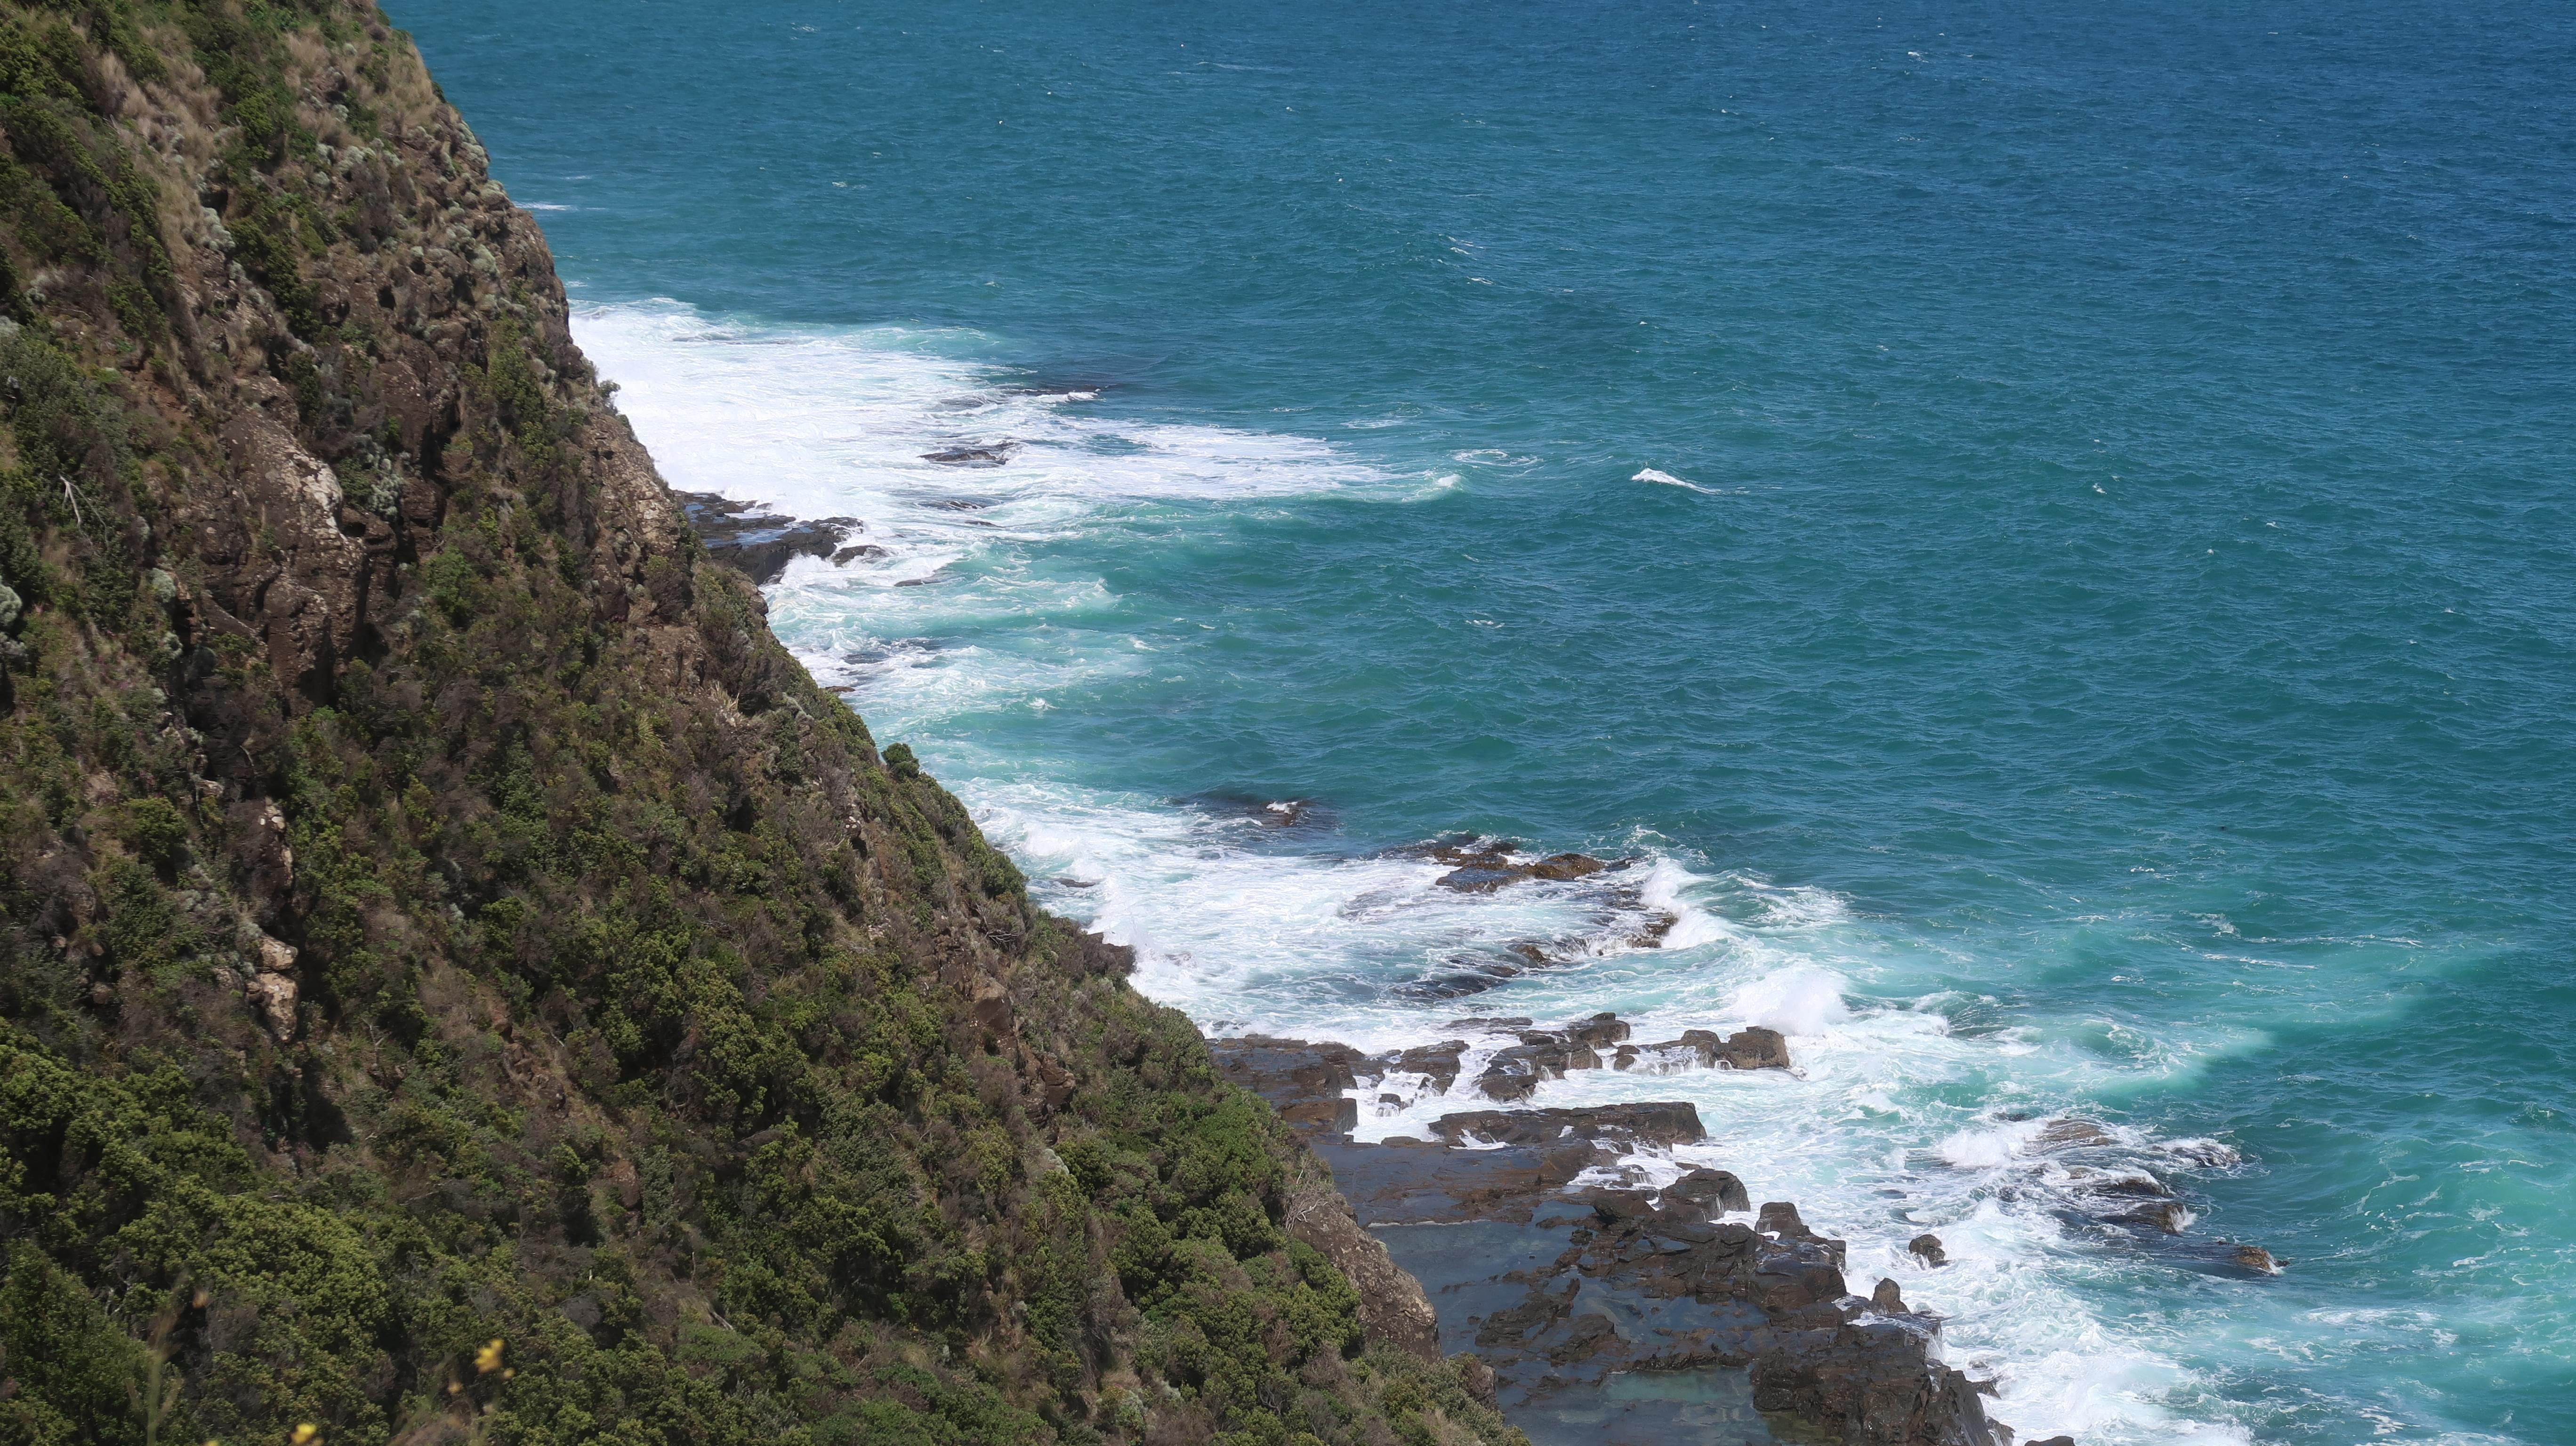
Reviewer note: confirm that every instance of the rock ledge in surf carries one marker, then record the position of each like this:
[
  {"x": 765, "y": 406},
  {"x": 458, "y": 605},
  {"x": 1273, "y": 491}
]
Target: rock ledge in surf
[
  {"x": 759, "y": 543},
  {"x": 1494, "y": 863},
  {"x": 1574, "y": 1282}
]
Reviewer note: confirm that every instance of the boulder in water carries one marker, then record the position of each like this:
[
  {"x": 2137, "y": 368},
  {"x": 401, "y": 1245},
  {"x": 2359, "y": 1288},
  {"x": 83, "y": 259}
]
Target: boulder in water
[
  {"x": 1489, "y": 866},
  {"x": 1780, "y": 1218},
  {"x": 1715, "y": 1190},
  {"x": 1437, "y": 1061},
  {"x": 2255, "y": 1258},
  {"x": 1927, "y": 1248},
  {"x": 1600, "y": 1031},
  {"x": 1751, "y": 1048}
]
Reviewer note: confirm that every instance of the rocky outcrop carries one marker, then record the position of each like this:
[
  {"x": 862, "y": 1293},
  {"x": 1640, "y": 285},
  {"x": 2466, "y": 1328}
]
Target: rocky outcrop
[
  {"x": 1582, "y": 1268},
  {"x": 1655, "y": 1123},
  {"x": 1481, "y": 867},
  {"x": 1317, "y": 1074},
  {"x": 1866, "y": 1380},
  {"x": 1392, "y": 1307},
  {"x": 759, "y": 544},
  {"x": 1514, "y": 1073}
]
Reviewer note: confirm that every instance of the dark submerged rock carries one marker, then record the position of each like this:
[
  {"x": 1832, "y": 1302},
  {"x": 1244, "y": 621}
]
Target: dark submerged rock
[
  {"x": 992, "y": 456},
  {"x": 2256, "y": 1259}
]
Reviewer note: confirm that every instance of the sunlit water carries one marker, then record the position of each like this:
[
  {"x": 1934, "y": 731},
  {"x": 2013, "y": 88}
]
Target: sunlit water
[{"x": 2043, "y": 536}]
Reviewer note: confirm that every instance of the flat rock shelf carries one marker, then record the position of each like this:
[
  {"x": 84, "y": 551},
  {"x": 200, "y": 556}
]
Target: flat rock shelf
[{"x": 1603, "y": 1309}]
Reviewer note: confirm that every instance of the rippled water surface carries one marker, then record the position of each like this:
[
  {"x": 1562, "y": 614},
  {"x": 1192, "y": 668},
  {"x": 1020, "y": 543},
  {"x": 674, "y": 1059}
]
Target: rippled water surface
[{"x": 2043, "y": 533}]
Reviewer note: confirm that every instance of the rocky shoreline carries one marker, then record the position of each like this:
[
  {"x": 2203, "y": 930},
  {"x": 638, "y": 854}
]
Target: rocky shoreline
[
  {"x": 1587, "y": 1296},
  {"x": 759, "y": 544},
  {"x": 1596, "y": 1304}
]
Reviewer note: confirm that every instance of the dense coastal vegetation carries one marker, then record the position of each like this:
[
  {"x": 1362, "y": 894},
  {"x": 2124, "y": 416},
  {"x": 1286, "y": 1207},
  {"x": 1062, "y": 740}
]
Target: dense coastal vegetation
[{"x": 459, "y": 978}]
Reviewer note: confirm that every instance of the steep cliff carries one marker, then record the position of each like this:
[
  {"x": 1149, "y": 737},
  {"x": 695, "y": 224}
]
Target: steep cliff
[{"x": 459, "y": 978}]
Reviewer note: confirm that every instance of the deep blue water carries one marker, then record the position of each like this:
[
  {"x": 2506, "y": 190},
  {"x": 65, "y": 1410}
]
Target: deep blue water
[{"x": 2046, "y": 535}]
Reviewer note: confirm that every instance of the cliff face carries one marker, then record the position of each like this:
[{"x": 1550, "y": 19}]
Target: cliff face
[{"x": 458, "y": 976}]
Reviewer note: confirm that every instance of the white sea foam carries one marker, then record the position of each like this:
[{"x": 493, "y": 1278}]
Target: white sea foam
[
  {"x": 1664, "y": 890},
  {"x": 1800, "y": 1000},
  {"x": 1667, "y": 479},
  {"x": 1892, "y": 1123},
  {"x": 1988, "y": 1147},
  {"x": 837, "y": 422}
]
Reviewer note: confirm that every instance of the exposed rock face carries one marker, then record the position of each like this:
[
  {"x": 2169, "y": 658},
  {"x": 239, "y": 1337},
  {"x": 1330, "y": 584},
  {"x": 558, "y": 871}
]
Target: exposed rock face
[
  {"x": 1303, "y": 1081},
  {"x": 1392, "y": 1306},
  {"x": 1865, "y": 1380},
  {"x": 1558, "y": 1285},
  {"x": 275, "y": 995},
  {"x": 760, "y": 544}
]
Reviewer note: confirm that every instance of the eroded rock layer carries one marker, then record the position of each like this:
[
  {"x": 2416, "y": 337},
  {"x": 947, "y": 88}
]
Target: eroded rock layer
[{"x": 1609, "y": 1309}]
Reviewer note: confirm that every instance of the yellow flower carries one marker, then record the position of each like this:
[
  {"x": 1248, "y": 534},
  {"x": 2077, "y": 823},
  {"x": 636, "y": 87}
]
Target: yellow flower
[
  {"x": 488, "y": 1359},
  {"x": 306, "y": 1434}
]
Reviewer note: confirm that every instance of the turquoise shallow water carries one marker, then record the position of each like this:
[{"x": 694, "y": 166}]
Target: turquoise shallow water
[{"x": 2046, "y": 536}]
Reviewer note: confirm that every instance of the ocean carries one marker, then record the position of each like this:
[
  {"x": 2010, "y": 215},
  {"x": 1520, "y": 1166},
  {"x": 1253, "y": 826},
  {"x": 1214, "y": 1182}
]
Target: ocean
[{"x": 2040, "y": 536}]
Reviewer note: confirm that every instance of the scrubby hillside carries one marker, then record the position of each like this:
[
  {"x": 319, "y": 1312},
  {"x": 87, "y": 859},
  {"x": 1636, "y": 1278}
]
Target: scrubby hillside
[{"x": 459, "y": 978}]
